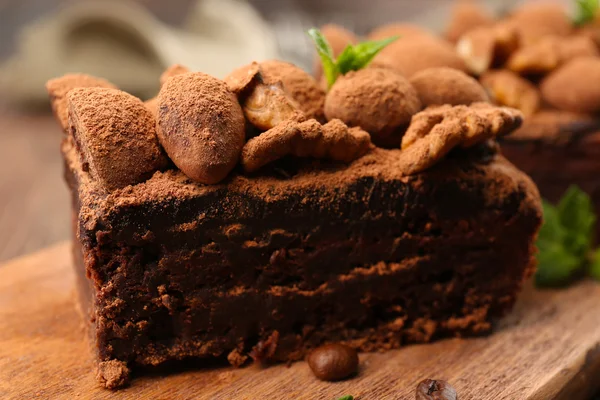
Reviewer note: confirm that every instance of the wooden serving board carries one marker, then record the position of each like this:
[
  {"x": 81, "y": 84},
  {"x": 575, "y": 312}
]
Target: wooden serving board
[{"x": 548, "y": 348}]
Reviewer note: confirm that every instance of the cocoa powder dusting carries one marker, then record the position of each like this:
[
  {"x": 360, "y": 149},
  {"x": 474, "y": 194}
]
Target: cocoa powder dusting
[
  {"x": 115, "y": 136},
  {"x": 443, "y": 85},
  {"x": 59, "y": 87}
]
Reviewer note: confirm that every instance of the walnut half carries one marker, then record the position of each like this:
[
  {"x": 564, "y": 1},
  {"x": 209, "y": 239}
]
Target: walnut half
[{"x": 435, "y": 131}]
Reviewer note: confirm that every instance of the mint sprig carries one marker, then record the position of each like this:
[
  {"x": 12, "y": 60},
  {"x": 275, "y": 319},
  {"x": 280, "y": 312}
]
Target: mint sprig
[
  {"x": 346, "y": 397},
  {"x": 565, "y": 240},
  {"x": 352, "y": 58},
  {"x": 586, "y": 11}
]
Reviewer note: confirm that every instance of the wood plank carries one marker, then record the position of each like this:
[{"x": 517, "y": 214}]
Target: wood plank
[{"x": 548, "y": 348}]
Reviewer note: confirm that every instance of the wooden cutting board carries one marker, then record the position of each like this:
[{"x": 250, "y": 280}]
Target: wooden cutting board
[{"x": 548, "y": 348}]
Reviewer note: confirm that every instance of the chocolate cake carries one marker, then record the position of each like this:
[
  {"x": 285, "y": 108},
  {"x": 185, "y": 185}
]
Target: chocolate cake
[{"x": 312, "y": 235}]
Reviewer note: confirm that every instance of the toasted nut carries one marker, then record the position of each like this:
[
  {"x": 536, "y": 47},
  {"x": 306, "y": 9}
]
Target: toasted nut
[
  {"x": 549, "y": 53},
  {"x": 573, "y": 86},
  {"x": 404, "y": 30},
  {"x": 59, "y": 87},
  {"x": 466, "y": 15},
  {"x": 338, "y": 38},
  {"x": 268, "y": 105},
  {"x": 175, "y": 69},
  {"x": 443, "y": 85},
  {"x": 483, "y": 48},
  {"x": 200, "y": 125},
  {"x": 409, "y": 55},
  {"x": 115, "y": 135},
  {"x": 333, "y": 140},
  {"x": 379, "y": 100},
  {"x": 536, "y": 20},
  {"x": 297, "y": 84},
  {"x": 509, "y": 89},
  {"x": 437, "y": 130}
]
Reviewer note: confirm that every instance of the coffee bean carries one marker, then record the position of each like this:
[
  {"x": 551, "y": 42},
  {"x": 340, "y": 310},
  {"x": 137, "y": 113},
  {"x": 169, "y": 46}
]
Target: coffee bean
[
  {"x": 431, "y": 389},
  {"x": 333, "y": 362}
]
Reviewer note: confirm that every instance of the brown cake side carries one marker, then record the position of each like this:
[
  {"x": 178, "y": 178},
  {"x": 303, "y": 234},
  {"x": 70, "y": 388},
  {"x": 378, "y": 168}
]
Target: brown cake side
[{"x": 273, "y": 265}]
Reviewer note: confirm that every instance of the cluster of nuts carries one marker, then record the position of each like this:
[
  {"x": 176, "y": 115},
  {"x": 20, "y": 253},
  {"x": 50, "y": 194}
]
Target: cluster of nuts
[
  {"x": 536, "y": 42},
  {"x": 200, "y": 123}
]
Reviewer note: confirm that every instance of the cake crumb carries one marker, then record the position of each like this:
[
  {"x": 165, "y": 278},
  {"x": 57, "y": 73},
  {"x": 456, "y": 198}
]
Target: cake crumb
[{"x": 113, "y": 374}]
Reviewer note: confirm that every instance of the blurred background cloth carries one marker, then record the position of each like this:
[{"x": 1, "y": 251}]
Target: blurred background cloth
[{"x": 130, "y": 43}]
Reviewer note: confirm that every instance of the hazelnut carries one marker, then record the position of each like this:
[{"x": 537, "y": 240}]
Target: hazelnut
[
  {"x": 534, "y": 21},
  {"x": 333, "y": 362},
  {"x": 409, "y": 55},
  {"x": 115, "y": 135},
  {"x": 175, "y": 69},
  {"x": 59, "y": 87},
  {"x": 466, "y": 15},
  {"x": 509, "y": 89},
  {"x": 268, "y": 105},
  {"x": 378, "y": 100},
  {"x": 573, "y": 87},
  {"x": 201, "y": 126},
  {"x": 430, "y": 389},
  {"x": 339, "y": 38},
  {"x": 550, "y": 52},
  {"x": 485, "y": 47},
  {"x": 443, "y": 85},
  {"x": 297, "y": 84}
]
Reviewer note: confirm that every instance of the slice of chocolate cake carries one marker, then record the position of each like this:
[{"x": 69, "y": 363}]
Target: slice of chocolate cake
[{"x": 277, "y": 232}]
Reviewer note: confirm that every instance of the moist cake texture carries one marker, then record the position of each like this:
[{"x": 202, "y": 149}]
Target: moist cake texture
[{"x": 313, "y": 236}]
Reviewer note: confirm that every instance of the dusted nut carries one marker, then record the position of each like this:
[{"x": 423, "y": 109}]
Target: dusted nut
[
  {"x": 437, "y": 130},
  {"x": 268, "y": 105},
  {"x": 509, "y": 89},
  {"x": 430, "y": 389},
  {"x": 466, "y": 15},
  {"x": 333, "y": 362},
  {"x": 201, "y": 126},
  {"x": 115, "y": 135},
  {"x": 379, "y": 100},
  {"x": 409, "y": 55},
  {"x": 333, "y": 140},
  {"x": 574, "y": 86},
  {"x": 175, "y": 69},
  {"x": 483, "y": 48},
  {"x": 536, "y": 20},
  {"x": 443, "y": 85},
  {"x": 59, "y": 87},
  {"x": 550, "y": 52}
]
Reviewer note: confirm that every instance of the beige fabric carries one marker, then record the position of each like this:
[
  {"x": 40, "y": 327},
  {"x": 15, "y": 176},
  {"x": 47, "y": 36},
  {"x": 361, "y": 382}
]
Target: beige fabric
[{"x": 124, "y": 43}]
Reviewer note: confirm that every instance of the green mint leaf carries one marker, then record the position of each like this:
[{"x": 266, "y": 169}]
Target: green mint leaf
[
  {"x": 594, "y": 268},
  {"x": 362, "y": 54},
  {"x": 586, "y": 11},
  {"x": 347, "y": 397},
  {"x": 556, "y": 266},
  {"x": 576, "y": 214},
  {"x": 352, "y": 58},
  {"x": 330, "y": 69}
]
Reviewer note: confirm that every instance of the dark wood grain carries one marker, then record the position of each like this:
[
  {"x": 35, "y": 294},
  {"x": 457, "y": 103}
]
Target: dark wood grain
[{"x": 547, "y": 349}]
